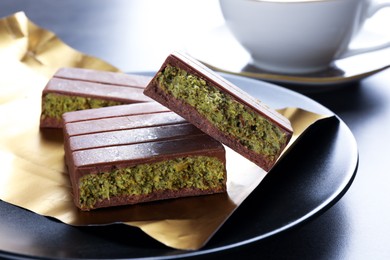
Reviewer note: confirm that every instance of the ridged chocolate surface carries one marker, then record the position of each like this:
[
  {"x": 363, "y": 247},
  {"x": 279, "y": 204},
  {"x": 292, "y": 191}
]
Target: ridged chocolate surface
[
  {"x": 95, "y": 144},
  {"x": 192, "y": 115},
  {"x": 122, "y": 123},
  {"x": 129, "y": 136},
  {"x": 123, "y": 110},
  {"x": 96, "y": 90},
  {"x": 103, "y": 77}
]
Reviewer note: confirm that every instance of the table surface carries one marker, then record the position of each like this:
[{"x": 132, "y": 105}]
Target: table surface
[{"x": 137, "y": 35}]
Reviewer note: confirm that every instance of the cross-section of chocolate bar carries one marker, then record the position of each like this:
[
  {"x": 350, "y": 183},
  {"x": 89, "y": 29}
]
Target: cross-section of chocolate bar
[
  {"x": 72, "y": 89},
  {"x": 137, "y": 153},
  {"x": 221, "y": 109}
]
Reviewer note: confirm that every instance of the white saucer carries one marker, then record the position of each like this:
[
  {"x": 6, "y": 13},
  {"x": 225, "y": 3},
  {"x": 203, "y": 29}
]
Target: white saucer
[{"x": 219, "y": 50}]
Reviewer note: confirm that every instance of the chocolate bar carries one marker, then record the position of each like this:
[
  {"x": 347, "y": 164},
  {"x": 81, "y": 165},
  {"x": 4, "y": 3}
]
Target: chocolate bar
[
  {"x": 72, "y": 89},
  {"x": 138, "y": 153},
  {"x": 221, "y": 109}
]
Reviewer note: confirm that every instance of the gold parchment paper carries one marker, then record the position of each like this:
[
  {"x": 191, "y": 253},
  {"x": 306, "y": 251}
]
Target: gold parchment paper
[{"x": 33, "y": 174}]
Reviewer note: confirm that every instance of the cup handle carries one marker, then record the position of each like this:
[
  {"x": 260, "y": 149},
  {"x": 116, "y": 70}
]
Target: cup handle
[
  {"x": 372, "y": 9},
  {"x": 375, "y": 7}
]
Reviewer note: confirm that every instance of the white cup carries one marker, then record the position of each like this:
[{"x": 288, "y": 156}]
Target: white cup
[{"x": 298, "y": 36}]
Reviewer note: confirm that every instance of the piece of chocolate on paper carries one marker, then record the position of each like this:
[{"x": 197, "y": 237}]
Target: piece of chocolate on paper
[
  {"x": 74, "y": 89},
  {"x": 140, "y": 153}
]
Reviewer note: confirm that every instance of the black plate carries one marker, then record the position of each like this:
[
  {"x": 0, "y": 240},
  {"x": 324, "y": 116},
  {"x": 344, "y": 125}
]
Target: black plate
[{"x": 305, "y": 183}]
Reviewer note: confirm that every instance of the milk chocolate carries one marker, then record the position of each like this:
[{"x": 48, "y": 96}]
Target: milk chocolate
[
  {"x": 220, "y": 109},
  {"x": 73, "y": 89},
  {"x": 139, "y": 153}
]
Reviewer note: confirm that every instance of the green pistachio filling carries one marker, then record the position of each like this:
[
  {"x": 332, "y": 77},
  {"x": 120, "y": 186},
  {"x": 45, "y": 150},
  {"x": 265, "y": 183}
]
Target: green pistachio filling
[
  {"x": 54, "y": 105},
  {"x": 199, "y": 172},
  {"x": 254, "y": 132}
]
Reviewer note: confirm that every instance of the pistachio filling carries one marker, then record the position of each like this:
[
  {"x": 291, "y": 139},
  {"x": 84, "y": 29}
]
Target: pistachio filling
[
  {"x": 54, "y": 105},
  {"x": 199, "y": 172},
  {"x": 254, "y": 132}
]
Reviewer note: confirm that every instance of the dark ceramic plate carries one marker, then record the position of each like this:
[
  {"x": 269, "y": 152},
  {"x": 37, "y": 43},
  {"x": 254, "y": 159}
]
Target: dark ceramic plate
[{"x": 309, "y": 180}]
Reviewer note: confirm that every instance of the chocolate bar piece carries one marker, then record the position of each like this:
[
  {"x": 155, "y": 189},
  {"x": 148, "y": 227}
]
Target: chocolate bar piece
[
  {"x": 221, "y": 109},
  {"x": 139, "y": 153},
  {"x": 72, "y": 89}
]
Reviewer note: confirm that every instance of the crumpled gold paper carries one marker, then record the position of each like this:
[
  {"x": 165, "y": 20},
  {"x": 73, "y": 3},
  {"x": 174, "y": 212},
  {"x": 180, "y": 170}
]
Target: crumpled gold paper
[{"x": 33, "y": 173}]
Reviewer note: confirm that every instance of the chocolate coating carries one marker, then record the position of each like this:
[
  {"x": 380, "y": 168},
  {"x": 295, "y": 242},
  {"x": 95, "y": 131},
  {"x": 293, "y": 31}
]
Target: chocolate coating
[{"x": 103, "y": 77}]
